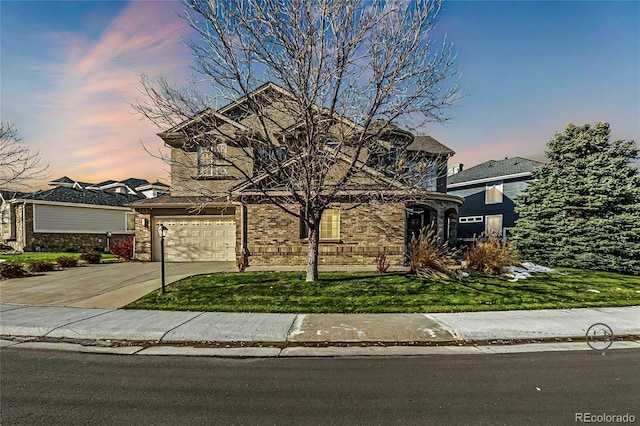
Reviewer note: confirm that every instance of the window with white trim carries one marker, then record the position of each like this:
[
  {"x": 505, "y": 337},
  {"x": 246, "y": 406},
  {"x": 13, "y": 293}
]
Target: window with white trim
[
  {"x": 493, "y": 194},
  {"x": 212, "y": 160},
  {"x": 470, "y": 219},
  {"x": 131, "y": 221},
  {"x": 6, "y": 221},
  {"x": 493, "y": 224}
]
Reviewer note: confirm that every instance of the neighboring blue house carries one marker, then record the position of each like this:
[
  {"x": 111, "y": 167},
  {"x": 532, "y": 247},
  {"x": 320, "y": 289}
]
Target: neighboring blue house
[{"x": 489, "y": 190}]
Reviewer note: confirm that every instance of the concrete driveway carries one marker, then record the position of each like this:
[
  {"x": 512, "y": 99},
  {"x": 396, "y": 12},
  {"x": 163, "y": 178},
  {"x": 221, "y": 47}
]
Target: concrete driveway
[{"x": 107, "y": 286}]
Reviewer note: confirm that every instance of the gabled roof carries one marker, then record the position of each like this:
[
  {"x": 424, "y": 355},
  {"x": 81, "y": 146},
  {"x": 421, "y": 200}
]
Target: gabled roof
[
  {"x": 496, "y": 169},
  {"x": 430, "y": 145},
  {"x": 155, "y": 185},
  {"x": 63, "y": 194},
  {"x": 68, "y": 182}
]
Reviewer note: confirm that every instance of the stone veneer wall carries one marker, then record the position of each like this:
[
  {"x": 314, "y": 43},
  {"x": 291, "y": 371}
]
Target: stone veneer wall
[
  {"x": 143, "y": 238},
  {"x": 41, "y": 241},
  {"x": 273, "y": 237}
]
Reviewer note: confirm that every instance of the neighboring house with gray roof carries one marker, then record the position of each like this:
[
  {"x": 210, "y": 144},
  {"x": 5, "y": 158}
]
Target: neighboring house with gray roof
[
  {"x": 73, "y": 215},
  {"x": 489, "y": 190}
]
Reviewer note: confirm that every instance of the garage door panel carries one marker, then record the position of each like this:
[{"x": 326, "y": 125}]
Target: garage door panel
[{"x": 199, "y": 239}]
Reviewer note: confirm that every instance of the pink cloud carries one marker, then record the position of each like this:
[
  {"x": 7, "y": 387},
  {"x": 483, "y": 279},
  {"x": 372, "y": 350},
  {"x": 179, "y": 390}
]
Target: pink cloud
[{"x": 88, "y": 129}]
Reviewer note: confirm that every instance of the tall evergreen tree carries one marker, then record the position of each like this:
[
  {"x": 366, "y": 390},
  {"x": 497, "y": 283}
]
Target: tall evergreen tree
[{"x": 583, "y": 208}]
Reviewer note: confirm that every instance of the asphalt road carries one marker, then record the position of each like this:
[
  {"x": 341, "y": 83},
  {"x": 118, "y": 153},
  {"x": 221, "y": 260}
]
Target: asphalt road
[{"x": 48, "y": 387}]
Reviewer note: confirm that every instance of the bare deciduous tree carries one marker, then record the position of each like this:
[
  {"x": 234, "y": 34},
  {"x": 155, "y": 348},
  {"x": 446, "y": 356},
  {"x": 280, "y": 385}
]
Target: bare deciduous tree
[
  {"x": 18, "y": 164},
  {"x": 352, "y": 80}
]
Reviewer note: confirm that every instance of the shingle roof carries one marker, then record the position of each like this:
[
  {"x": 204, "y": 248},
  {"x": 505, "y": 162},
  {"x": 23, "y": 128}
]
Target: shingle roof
[
  {"x": 82, "y": 196},
  {"x": 167, "y": 200},
  {"x": 429, "y": 144},
  {"x": 9, "y": 194},
  {"x": 106, "y": 182},
  {"x": 64, "y": 179},
  {"x": 133, "y": 183},
  {"x": 495, "y": 169}
]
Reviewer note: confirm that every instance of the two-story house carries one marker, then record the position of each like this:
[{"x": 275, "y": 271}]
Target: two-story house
[
  {"x": 216, "y": 212},
  {"x": 489, "y": 190}
]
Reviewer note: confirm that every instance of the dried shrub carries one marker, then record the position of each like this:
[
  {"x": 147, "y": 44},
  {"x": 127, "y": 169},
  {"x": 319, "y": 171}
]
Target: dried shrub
[
  {"x": 430, "y": 258},
  {"x": 35, "y": 266},
  {"x": 67, "y": 262},
  {"x": 382, "y": 265},
  {"x": 91, "y": 257},
  {"x": 11, "y": 270},
  {"x": 123, "y": 249},
  {"x": 242, "y": 262},
  {"x": 490, "y": 256}
]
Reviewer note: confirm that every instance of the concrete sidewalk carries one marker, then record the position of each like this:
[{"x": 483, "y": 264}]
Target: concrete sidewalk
[{"x": 256, "y": 334}]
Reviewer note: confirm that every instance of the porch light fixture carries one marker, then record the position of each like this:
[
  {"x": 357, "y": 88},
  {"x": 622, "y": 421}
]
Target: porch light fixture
[{"x": 162, "y": 233}]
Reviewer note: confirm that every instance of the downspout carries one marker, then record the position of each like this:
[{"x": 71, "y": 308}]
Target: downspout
[
  {"x": 243, "y": 237},
  {"x": 24, "y": 226}
]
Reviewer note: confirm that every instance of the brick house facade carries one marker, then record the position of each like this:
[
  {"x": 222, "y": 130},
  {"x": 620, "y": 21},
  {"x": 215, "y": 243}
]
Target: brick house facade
[{"x": 214, "y": 213}]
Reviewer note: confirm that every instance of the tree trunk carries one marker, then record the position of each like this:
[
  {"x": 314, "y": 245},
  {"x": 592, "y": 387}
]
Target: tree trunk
[{"x": 312, "y": 257}]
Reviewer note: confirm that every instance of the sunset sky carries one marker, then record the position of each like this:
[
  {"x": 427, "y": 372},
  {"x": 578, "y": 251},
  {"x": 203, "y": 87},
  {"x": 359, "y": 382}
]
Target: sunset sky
[{"x": 69, "y": 71}]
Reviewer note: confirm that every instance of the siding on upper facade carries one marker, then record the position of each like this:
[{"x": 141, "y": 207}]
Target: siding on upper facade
[
  {"x": 475, "y": 205},
  {"x": 51, "y": 218}
]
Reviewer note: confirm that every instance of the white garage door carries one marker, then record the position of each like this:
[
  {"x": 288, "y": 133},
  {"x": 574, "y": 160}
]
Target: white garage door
[{"x": 204, "y": 238}]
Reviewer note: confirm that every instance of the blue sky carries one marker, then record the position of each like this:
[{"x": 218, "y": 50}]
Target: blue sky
[{"x": 70, "y": 69}]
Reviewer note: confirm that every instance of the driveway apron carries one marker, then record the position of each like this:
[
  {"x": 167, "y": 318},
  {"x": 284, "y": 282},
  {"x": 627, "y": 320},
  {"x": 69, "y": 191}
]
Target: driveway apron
[{"x": 107, "y": 286}]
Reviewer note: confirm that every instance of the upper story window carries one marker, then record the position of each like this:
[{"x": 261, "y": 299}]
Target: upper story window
[
  {"x": 212, "y": 160},
  {"x": 493, "y": 194}
]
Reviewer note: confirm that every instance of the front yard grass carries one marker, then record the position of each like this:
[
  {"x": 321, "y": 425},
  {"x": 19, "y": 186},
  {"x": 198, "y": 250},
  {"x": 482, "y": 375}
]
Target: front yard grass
[
  {"x": 399, "y": 293},
  {"x": 45, "y": 256}
]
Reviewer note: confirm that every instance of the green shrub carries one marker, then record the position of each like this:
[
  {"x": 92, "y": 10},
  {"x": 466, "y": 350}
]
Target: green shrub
[
  {"x": 35, "y": 266},
  {"x": 430, "y": 258},
  {"x": 67, "y": 262},
  {"x": 91, "y": 257},
  {"x": 491, "y": 256},
  {"x": 11, "y": 270}
]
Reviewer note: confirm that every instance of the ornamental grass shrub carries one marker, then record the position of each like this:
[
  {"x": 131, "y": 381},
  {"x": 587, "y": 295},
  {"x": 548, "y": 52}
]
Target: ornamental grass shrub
[
  {"x": 431, "y": 258},
  {"x": 491, "y": 255}
]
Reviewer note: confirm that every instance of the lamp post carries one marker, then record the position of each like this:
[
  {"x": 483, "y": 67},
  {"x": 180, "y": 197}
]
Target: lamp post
[
  {"x": 108, "y": 242},
  {"x": 162, "y": 233}
]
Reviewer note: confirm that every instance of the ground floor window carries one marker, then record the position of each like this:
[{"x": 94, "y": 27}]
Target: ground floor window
[
  {"x": 329, "y": 226},
  {"x": 131, "y": 221},
  {"x": 493, "y": 224},
  {"x": 470, "y": 219}
]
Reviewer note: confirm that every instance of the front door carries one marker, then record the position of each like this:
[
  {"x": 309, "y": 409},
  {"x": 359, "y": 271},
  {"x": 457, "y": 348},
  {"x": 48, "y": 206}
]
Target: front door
[{"x": 417, "y": 218}]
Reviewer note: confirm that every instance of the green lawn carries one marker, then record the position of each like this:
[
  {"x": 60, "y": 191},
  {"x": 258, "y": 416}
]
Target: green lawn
[
  {"x": 45, "y": 256},
  {"x": 372, "y": 293}
]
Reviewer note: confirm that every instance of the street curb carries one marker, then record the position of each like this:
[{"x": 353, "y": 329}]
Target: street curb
[{"x": 276, "y": 351}]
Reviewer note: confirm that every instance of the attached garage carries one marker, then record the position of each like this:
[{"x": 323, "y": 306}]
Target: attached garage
[{"x": 201, "y": 238}]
